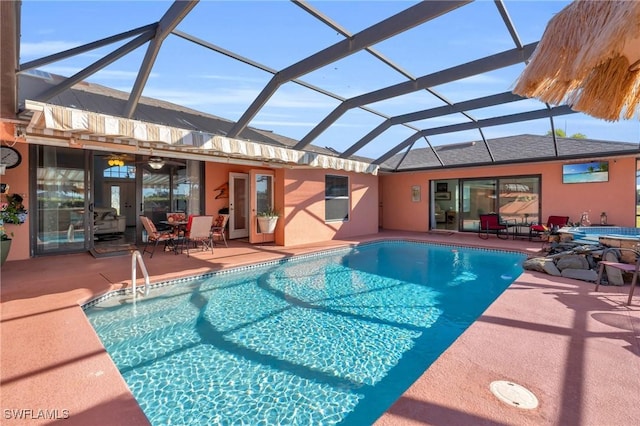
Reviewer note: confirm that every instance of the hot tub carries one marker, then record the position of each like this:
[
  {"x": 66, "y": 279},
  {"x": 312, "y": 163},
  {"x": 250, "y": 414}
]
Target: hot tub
[{"x": 604, "y": 235}]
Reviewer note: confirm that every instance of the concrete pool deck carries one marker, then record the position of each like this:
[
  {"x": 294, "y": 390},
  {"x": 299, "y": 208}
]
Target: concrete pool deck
[{"x": 577, "y": 351}]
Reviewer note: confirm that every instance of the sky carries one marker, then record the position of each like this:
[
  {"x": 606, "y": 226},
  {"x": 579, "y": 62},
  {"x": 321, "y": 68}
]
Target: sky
[{"x": 277, "y": 34}]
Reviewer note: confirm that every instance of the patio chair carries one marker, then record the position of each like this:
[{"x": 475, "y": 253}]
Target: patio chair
[
  {"x": 491, "y": 223},
  {"x": 553, "y": 223},
  {"x": 199, "y": 232},
  {"x": 624, "y": 267},
  {"x": 155, "y": 237},
  {"x": 218, "y": 228}
]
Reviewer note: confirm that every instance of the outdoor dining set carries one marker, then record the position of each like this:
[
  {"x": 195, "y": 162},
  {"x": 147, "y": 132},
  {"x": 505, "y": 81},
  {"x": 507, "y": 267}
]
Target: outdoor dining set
[{"x": 182, "y": 231}]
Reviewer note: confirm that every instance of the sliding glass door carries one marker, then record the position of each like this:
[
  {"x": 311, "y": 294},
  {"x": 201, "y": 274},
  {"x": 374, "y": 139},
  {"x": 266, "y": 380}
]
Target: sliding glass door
[
  {"x": 62, "y": 200},
  {"x": 514, "y": 198},
  {"x": 174, "y": 187},
  {"x": 479, "y": 196}
]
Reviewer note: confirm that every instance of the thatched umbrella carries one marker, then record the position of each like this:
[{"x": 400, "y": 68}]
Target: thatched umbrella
[{"x": 589, "y": 58}]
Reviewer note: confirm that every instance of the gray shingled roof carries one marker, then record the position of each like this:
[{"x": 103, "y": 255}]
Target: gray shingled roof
[{"x": 511, "y": 149}]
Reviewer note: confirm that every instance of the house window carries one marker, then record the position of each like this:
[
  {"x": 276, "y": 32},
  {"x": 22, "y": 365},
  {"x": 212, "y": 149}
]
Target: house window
[{"x": 336, "y": 198}]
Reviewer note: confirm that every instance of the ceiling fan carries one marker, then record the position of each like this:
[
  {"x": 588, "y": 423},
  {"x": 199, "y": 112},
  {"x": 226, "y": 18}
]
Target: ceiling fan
[{"x": 157, "y": 163}]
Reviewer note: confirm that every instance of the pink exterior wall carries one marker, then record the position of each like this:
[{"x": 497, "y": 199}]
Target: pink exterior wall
[
  {"x": 616, "y": 197},
  {"x": 18, "y": 181},
  {"x": 304, "y": 207},
  {"x": 299, "y": 195},
  {"x": 216, "y": 174},
  {"x": 384, "y": 200}
]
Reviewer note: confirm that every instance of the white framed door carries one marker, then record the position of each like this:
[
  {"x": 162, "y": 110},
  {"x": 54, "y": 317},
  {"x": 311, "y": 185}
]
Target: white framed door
[
  {"x": 238, "y": 205},
  {"x": 262, "y": 199}
]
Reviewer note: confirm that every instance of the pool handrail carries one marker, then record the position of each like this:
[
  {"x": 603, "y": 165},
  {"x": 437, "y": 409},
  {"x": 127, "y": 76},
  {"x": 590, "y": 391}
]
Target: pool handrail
[{"x": 136, "y": 257}]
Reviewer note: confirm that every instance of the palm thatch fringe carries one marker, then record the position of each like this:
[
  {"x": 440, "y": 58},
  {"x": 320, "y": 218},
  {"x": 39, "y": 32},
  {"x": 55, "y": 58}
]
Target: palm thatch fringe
[{"x": 584, "y": 58}]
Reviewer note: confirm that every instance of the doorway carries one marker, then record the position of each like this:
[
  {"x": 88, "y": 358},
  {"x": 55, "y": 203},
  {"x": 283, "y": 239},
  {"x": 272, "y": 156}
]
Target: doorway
[
  {"x": 60, "y": 222},
  {"x": 238, "y": 205},
  {"x": 91, "y": 201},
  {"x": 444, "y": 199}
]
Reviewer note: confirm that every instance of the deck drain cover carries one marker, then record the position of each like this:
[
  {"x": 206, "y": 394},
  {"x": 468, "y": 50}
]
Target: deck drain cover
[{"x": 514, "y": 394}]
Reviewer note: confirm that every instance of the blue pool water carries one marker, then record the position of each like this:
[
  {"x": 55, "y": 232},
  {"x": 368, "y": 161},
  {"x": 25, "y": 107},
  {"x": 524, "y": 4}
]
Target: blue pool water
[
  {"x": 593, "y": 233},
  {"x": 322, "y": 340}
]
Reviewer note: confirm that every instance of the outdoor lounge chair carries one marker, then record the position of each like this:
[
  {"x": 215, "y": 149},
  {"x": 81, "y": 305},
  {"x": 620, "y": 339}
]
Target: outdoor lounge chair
[
  {"x": 624, "y": 267},
  {"x": 155, "y": 237},
  {"x": 554, "y": 222},
  {"x": 491, "y": 223}
]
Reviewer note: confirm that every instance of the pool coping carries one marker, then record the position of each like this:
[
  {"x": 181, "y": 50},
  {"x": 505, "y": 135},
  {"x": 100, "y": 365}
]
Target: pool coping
[
  {"x": 129, "y": 290},
  {"x": 52, "y": 357}
]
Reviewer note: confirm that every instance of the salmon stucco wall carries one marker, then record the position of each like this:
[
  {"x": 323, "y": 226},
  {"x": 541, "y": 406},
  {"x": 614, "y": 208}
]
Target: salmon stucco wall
[
  {"x": 217, "y": 175},
  {"x": 617, "y": 197},
  {"x": 304, "y": 210},
  {"x": 18, "y": 181}
]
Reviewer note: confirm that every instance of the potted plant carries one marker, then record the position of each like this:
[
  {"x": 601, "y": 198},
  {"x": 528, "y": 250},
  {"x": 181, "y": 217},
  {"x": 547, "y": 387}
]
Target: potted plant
[
  {"x": 267, "y": 220},
  {"x": 11, "y": 211}
]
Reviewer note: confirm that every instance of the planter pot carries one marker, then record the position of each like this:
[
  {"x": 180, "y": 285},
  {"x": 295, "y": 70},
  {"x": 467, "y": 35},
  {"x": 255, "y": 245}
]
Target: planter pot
[
  {"x": 267, "y": 224},
  {"x": 5, "y": 246}
]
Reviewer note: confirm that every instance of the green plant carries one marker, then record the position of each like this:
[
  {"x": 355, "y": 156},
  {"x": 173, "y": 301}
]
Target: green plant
[
  {"x": 12, "y": 210},
  {"x": 269, "y": 212},
  {"x": 3, "y": 233}
]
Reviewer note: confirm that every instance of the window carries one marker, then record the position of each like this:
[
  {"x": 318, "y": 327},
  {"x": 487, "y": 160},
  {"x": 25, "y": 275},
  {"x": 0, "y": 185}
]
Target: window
[
  {"x": 336, "y": 198},
  {"x": 515, "y": 198}
]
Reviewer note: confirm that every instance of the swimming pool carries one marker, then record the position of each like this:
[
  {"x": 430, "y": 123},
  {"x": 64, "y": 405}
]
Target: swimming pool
[{"x": 327, "y": 339}]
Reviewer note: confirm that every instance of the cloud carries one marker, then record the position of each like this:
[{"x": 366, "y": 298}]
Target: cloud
[
  {"x": 36, "y": 50},
  {"x": 230, "y": 78},
  {"x": 209, "y": 98},
  {"x": 104, "y": 74},
  {"x": 264, "y": 123}
]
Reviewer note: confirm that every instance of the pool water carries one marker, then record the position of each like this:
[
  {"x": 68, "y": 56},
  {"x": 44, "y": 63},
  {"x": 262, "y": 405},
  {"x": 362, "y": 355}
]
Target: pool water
[
  {"x": 593, "y": 233},
  {"x": 322, "y": 340}
]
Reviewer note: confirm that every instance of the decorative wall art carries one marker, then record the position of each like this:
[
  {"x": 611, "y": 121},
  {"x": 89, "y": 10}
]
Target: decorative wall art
[{"x": 415, "y": 193}]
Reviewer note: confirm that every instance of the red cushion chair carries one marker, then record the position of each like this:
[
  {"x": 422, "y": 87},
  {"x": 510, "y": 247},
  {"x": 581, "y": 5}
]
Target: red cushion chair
[
  {"x": 491, "y": 223},
  {"x": 554, "y": 222}
]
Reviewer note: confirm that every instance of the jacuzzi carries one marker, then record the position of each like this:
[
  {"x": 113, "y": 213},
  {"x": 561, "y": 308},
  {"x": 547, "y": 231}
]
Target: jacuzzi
[{"x": 596, "y": 233}]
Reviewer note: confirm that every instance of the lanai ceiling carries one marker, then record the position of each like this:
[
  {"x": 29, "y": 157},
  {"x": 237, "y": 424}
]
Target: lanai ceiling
[{"x": 307, "y": 73}]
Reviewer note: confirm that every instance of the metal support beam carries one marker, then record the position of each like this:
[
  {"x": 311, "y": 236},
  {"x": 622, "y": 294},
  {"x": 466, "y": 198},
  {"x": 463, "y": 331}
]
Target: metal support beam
[
  {"x": 37, "y": 63},
  {"x": 170, "y": 20},
  {"x": 488, "y": 122},
  {"x": 405, "y": 20},
  {"x": 486, "y": 64},
  {"x": 509, "y": 23},
  {"x": 95, "y": 67},
  {"x": 472, "y": 104},
  {"x": 272, "y": 71},
  {"x": 10, "y": 48}
]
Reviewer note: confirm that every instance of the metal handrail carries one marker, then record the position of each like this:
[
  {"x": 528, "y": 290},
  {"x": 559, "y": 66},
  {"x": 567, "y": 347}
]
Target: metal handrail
[{"x": 137, "y": 257}]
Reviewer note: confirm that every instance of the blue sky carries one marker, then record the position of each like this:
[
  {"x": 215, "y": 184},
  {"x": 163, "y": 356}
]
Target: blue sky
[{"x": 277, "y": 34}]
